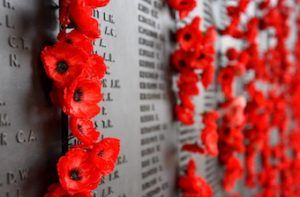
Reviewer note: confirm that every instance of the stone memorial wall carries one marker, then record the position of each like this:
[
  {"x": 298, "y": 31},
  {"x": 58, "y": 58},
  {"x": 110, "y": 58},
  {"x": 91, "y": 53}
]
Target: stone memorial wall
[{"x": 137, "y": 40}]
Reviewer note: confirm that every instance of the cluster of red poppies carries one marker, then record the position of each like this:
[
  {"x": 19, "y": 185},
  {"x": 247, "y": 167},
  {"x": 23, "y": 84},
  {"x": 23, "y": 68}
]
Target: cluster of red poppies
[
  {"x": 76, "y": 73},
  {"x": 194, "y": 63},
  {"x": 231, "y": 135},
  {"x": 256, "y": 132},
  {"x": 231, "y": 140},
  {"x": 236, "y": 67},
  {"x": 195, "y": 54},
  {"x": 272, "y": 106},
  {"x": 272, "y": 94},
  {"x": 278, "y": 174}
]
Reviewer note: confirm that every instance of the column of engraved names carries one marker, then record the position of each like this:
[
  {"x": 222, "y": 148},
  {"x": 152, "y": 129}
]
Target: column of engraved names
[
  {"x": 12, "y": 137},
  {"x": 152, "y": 91},
  {"x": 111, "y": 86}
]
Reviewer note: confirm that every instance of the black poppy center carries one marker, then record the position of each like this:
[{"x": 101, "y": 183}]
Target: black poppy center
[
  {"x": 100, "y": 153},
  {"x": 71, "y": 24},
  {"x": 69, "y": 41},
  {"x": 75, "y": 175},
  {"x": 79, "y": 127},
  {"x": 78, "y": 95},
  {"x": 187, "y": 37},
  {"x": 182, "y": 63},
  {"x": 201, "y": 56},
  {"x": 62, "y": 67},
  {"x": 226, "y": 77},
  {"x": 183, "y": 3}
]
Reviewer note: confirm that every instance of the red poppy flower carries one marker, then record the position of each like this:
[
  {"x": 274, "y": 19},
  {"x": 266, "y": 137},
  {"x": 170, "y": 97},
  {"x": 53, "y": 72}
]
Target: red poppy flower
[
  {"x": 180, "y": 59},
  {"x": 193, "y": 148},
  {"x": 244, "y": 58},
  {"x": 250, "y": 170},
  {"x": 225, "y": 78},
  {"x": 56, "y": 190},
  {"x": 210, "y": 140},
  {"x": 187, "y": 82},
  {"x": 294, "y": 139},
  {"x": 208, "y": 76},
  {"x": 239, "y": 69},
  {"x": 95, "y": 68},
  {"x": 233, "y": 172},
  {"x": 186, "y": 101},
  {"x": 97, "y": 3},
  {"x": 188, "y": 76},
  {"x": 232, "y": 53},
  {"x": 104, "y": 155},
  {"x": 81, "y": 98},
  {"x": 272, "y": 18},
  {"x": 268, "y": 177},
  {"x": 84, "y": 130},
  {"x": 209, "y": 135},
  {"x": 233, "y": 138},
  {"x": 252, "y": 30},
  {"x": 210, "y": 118},
  {"x": 190, "y": 89},
  {"x": 77, "y": 39},
  {"x": 233, "y": 11},
  {"x": 189, "y": 36},
  {"x": 202, "y": 58},
  {"x": 233, "y": 29},
  {"x": 81, "y": 18},
  {"x": 76, "y": 173},
  {"x": 243, "y": 5},
  {"x": 264, "y": 4},
  {"x": 184, "y": 115},
  {"x": 63, "y": 63},
  {"x": 193, "y": 184},
  {"x": 183, "y": 6},
  {"x": 259, "y": 99},
  {"x": 210, "y": 36}
]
